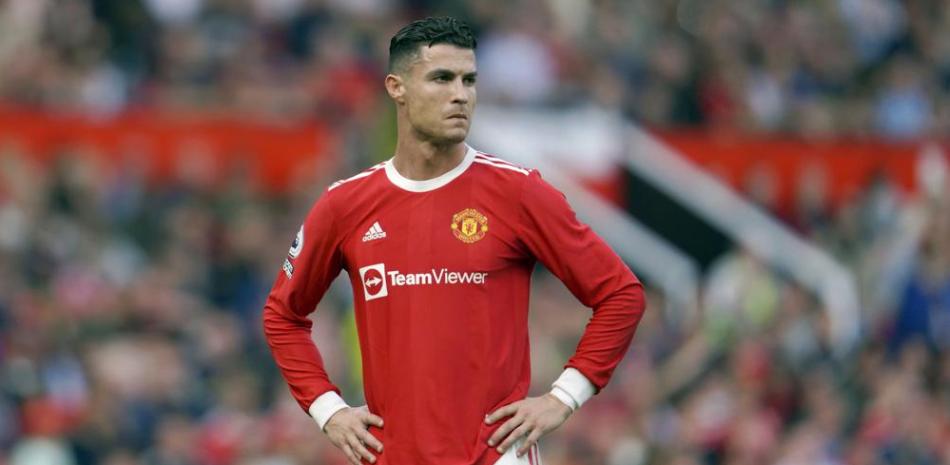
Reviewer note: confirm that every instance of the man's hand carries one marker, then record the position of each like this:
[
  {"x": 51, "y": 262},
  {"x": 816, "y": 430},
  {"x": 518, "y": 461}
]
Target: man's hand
[
  {"x": 534, "y": 417},
  {"x": 347, "y": 429}
]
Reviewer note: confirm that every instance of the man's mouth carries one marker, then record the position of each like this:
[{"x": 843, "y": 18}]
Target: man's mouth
[{"x": 458, "y": 116}]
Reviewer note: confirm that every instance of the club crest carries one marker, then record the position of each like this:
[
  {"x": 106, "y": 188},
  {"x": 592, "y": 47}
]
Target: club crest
[{"x": 469, "y": 225}]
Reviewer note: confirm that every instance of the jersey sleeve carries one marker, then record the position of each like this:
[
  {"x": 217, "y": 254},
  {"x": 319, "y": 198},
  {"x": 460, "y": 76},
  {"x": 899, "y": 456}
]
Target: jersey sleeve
[
  {"x": 313, "y": 262},
  {"x": 590, "y": 270}
]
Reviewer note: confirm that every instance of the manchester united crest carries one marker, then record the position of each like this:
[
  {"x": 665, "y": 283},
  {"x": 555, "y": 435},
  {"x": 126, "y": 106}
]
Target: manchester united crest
[{"x": 469, "y": 225}]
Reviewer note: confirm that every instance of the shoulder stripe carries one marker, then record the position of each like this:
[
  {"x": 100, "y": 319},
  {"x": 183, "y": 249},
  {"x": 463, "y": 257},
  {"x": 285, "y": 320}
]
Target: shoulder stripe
[
  {"x": 493, "y": 158},
  {"x": 501, "y": 165},
  {"x": 358, "y": 176}
]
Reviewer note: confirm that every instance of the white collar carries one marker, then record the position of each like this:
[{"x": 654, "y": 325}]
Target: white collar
[{"x": 427, "y": 185}]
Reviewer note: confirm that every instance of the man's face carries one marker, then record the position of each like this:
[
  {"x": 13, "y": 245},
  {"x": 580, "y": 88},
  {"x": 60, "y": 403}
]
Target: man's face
[{"x": 439, "y": 93}]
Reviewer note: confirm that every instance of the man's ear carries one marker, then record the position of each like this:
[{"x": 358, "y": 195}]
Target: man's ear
[{"x": 396, "y": 87}]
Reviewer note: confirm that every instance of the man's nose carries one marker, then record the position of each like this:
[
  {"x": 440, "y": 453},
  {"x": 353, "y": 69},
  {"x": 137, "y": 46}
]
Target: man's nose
[{"x": 459, "y": 92}]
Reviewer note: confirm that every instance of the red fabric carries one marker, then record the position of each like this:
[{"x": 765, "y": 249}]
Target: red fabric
[{"x": 438, "y": 357}]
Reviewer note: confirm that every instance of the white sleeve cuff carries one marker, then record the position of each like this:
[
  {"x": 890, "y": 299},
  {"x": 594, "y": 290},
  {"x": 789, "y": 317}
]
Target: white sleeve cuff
[
  {"x": 325, "y": 406},
  {"x": 564, "y": 397},
  {"x": 573, "y": 388}
]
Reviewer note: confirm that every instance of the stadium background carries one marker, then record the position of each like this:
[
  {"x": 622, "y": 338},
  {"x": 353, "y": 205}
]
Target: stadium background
[{"x": 157, "y": 156}]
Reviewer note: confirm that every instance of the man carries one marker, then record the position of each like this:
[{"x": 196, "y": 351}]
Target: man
[{"x": 439, "y": 243}]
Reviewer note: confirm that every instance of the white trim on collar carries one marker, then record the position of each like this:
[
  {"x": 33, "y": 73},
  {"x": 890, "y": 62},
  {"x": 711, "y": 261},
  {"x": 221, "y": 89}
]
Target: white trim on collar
[{"x": 427, "y": 185}]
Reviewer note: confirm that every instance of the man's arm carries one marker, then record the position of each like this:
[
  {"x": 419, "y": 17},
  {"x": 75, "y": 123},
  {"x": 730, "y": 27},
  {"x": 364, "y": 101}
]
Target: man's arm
[
  {"x": 594, "y": 274},
  {"x": 312, "y": 263},
  {"x": 600, "y": 280}
]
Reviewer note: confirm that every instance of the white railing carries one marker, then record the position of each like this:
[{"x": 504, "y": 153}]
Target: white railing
[{"x": 774, "y": 242}]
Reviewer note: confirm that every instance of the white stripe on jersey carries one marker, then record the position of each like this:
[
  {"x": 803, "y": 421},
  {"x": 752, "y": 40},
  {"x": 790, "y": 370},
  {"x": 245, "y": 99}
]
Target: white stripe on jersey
[
  {"x": 497, "y": 161},
  {"x": 503, "y": 166},
  {"x": 358, "y": 176},
  {"x": 510, "y": 456},
  {"x": 494, "y": 158}
]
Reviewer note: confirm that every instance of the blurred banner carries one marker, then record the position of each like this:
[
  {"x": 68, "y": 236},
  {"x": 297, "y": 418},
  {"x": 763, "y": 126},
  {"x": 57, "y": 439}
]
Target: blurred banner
[
  {"x": 273, "y": 151},
  {"x": 842, "y": 167},
  {"x": 212, "y": 147}
]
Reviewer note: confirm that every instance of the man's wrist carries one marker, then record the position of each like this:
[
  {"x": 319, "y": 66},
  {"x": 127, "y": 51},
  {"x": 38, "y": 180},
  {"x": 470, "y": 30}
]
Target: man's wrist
[
  {"x": 573, "y": 388},
  {"x": 564, "y": 398},
  {"x": 325, "y": 406}
]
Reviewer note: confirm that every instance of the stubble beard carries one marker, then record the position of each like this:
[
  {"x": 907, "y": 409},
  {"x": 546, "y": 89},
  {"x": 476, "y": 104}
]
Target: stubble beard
[{"x": 439, "y": 140}]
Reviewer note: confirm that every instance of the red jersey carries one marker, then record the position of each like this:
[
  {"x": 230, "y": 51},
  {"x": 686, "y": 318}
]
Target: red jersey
[{"x": 441, "y": 272}]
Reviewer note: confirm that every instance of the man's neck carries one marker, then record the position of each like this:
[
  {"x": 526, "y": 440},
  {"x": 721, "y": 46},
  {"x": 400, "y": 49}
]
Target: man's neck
[{"x": 420, "y": 161}]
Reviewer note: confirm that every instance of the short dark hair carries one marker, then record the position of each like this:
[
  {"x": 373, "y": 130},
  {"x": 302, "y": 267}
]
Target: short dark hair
[{"x": 430, "y": 31}]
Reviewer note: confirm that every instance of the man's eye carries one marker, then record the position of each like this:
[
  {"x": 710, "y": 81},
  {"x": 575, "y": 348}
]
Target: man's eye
[
  {"x": 442, "y": 78},
  {"x": 469, "y": 80}
]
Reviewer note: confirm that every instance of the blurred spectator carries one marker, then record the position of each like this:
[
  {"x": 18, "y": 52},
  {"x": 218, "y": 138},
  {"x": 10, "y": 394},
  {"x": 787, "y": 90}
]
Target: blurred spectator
[
  {"x": 511, "y": 56},
  {"x": 924, "y": 310},
  {"x": 903, "y": 105},
  {"x": 853, "y": 67}
]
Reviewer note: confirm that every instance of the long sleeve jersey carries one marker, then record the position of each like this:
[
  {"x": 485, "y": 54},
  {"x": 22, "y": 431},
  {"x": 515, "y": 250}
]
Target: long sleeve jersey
[{"x": 441, "y": 271}]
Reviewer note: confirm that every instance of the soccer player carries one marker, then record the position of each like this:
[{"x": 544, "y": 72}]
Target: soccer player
[{"x": 439, "y": 243}]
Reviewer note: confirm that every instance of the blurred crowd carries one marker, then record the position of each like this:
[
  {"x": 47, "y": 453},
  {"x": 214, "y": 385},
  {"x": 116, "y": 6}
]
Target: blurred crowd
[
  {"x": 816, "y": 68},
  {"x": 129, "y": 311},
  {"x": 130, "y": 335}
]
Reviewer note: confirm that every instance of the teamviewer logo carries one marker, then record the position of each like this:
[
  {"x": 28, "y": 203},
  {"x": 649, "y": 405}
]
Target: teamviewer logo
[{"x": 374, "y": 281}]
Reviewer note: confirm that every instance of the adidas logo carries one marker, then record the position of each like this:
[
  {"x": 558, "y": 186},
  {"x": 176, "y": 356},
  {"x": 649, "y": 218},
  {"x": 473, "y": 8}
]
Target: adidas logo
[{"x": 375, "y": 232}]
